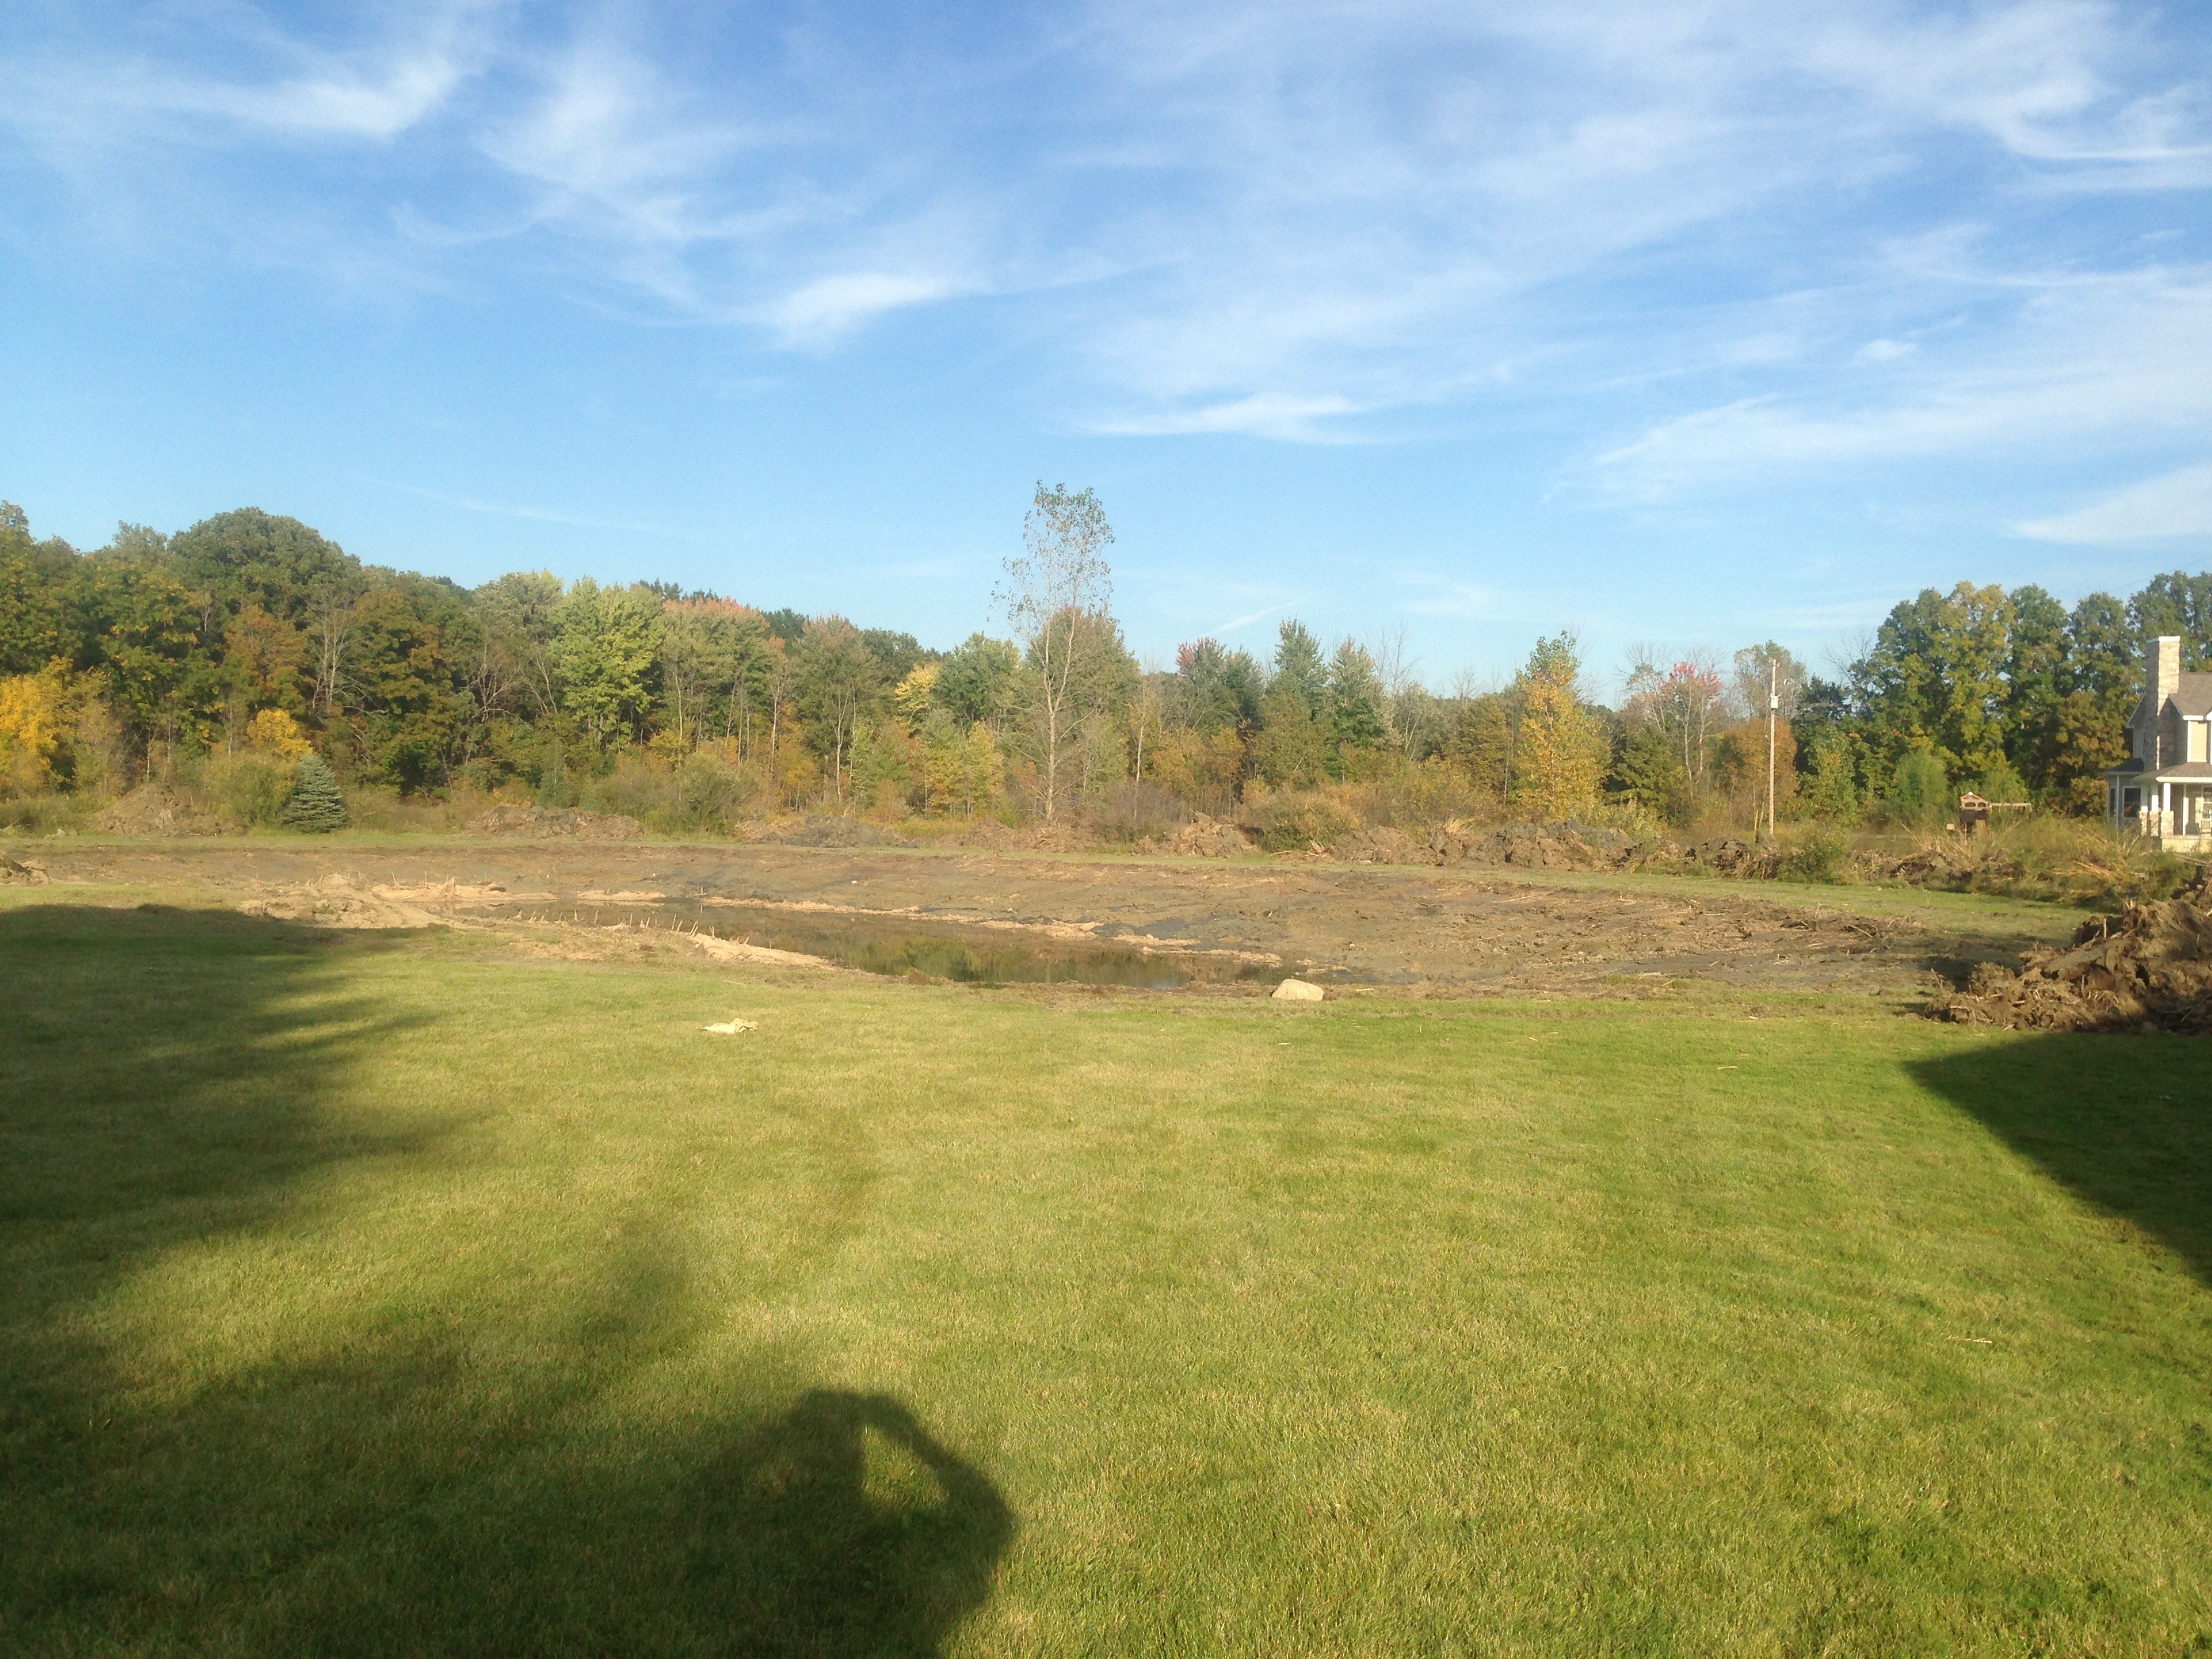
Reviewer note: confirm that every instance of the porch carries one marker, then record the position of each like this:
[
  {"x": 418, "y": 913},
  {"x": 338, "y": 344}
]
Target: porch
[{"x": 2174, "y": 814}]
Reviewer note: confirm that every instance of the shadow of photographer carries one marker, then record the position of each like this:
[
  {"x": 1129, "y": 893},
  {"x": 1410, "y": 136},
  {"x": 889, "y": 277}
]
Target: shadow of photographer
[
  {"x": 500, "y": 1474},
  {"x": 2121, "y": 1123}
]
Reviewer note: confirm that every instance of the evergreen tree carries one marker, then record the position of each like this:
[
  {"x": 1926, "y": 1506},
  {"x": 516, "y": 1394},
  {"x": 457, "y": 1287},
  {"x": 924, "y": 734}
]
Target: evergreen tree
[
  {"x": 315, "y": 803},
  {"x": 1299, "y": 671},
  {"x": 1352, "y": 709}
]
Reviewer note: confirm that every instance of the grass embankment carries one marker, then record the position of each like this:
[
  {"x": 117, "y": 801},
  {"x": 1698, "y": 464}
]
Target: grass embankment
[{"x": 371, "y": 1295}]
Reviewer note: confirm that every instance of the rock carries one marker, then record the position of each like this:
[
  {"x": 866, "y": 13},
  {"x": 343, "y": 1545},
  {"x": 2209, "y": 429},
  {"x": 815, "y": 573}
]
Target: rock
[
  {"x": 22, "y": 872},
  {"x": 1298, "y": 990}
]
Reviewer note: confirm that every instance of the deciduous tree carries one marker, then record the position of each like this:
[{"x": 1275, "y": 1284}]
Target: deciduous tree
[{"x": 1059, "y": 581}]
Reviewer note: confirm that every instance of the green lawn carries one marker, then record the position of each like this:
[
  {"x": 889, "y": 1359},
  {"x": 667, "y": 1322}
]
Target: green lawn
[{"x": 393, "y": 1296}]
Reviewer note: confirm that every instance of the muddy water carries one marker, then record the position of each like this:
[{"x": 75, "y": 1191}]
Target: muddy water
[{"x": 897, "y": 946}]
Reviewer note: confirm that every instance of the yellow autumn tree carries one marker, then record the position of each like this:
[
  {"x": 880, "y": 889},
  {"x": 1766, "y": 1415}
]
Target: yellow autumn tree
[
  {"x": 913, "y": 697},
  {"x": 33, "y": 715},
  {"x": 273, "y": 731},
  {"x": 1556, "y": 759}
]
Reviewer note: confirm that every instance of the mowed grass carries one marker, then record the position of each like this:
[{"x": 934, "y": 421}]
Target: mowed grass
[{"x": 393, "y": 1296}]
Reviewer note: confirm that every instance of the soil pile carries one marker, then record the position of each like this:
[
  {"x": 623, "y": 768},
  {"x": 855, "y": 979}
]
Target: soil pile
[
  {"x": 1567, "y": 846},
  {"x": 156, "y": 809},
  {"x": 992, "y": 836},
  {"x": 2150, "y": 966},
  {"x": 551, "y": 824},
  {"x": 823, "y": 830},
  {"x": 1210, "y": 838},
  {"x": 1725, "y": 856},
  {"x": 1382, "y": 845}
]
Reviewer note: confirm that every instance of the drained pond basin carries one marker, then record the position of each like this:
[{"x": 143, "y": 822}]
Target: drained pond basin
[{"x": 964, "y": 954}]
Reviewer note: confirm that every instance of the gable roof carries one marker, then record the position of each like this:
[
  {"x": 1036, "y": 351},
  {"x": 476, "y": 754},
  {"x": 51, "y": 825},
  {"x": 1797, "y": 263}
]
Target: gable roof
[{"x": 2193, "y": 697}]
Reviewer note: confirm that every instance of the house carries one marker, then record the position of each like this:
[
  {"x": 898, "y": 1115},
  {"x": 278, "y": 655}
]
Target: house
[{"x": 2164, "y": 788}]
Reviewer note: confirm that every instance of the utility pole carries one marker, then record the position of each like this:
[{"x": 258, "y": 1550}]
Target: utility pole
[{"x": 1773, "y": 707}]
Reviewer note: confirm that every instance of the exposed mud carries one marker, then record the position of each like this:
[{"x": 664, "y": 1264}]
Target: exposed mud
[{"x": 1436, "y": 931}]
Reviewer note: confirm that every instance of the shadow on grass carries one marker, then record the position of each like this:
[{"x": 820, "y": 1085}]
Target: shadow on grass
[
  {"x": 545, "y": 1471},
  {"x": 2121, "y": 1123}
]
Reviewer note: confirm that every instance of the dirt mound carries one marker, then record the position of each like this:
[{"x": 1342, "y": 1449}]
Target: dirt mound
[
  {"x": 1382, "y": 845},
  {"x": 1210, "y": 838},
  {"x": 823, "y": 830},
  {"x": 157, "y": 809},
  {"x": 1568, "y": 846},
  {"x": 1727, "y": 856},
  {"x": 991, "y": 835},
  {"x": 556, "y": 823},
  {"x": 2149, "y": 966}
]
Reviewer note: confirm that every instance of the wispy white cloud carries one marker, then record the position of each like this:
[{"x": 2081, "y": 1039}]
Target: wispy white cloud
[
  {"x": 829, "y": 306},
  {"x": 1264, "y": 415},
  {"x": 263, "y": 85},
  {"x": 1249, "y": 618},
  {"x": 529, "y": 514},
  {"x": 1332, "y": 221},
  {"x": 378, "y": 101},
  {"x": 2176, "y": 506},
  {"x": 2099, "y": 360}
]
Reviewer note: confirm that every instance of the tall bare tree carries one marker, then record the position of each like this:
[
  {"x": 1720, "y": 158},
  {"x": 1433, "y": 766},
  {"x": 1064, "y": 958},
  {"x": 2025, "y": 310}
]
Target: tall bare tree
[{"x": 1059, "y": 583}]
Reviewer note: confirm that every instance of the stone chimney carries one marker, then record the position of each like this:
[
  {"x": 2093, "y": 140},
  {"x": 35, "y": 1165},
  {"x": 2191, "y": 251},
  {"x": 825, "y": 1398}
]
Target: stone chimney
[{"x": 2165, "y": 667}]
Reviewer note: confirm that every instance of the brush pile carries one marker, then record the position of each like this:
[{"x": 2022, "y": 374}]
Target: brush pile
[{"x": 2148, "y": 967}]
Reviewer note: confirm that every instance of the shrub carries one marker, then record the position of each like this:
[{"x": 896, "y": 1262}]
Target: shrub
[
  {"x": 38, "y": 815},
  {"x": 254, "y": 788},
  {"x": 1137, "y": 809},
  {"x": 315, "y": 803},
  {"x": 1291, "y": 820},
  {"x": 1822, "y": 854},
  {"x": 706, "y": 790},
  {"x": 1919, "y": 792}
]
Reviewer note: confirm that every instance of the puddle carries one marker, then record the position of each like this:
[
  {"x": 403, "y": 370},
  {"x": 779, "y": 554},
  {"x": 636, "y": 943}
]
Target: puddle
[{"x": 895, "y": 947}]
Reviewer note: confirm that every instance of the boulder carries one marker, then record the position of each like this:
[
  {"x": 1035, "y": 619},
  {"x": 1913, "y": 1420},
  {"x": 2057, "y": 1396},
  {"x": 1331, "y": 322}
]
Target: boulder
[{"x": 1299, "y": 990}]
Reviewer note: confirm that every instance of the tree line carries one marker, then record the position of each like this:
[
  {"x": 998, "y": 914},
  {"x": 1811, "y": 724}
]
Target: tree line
[{"x": 249, "y": 639}]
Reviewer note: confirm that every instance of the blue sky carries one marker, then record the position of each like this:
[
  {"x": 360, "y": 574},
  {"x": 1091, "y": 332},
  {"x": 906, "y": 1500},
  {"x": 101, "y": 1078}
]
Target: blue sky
[{"x": 1687, "y": 324}]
